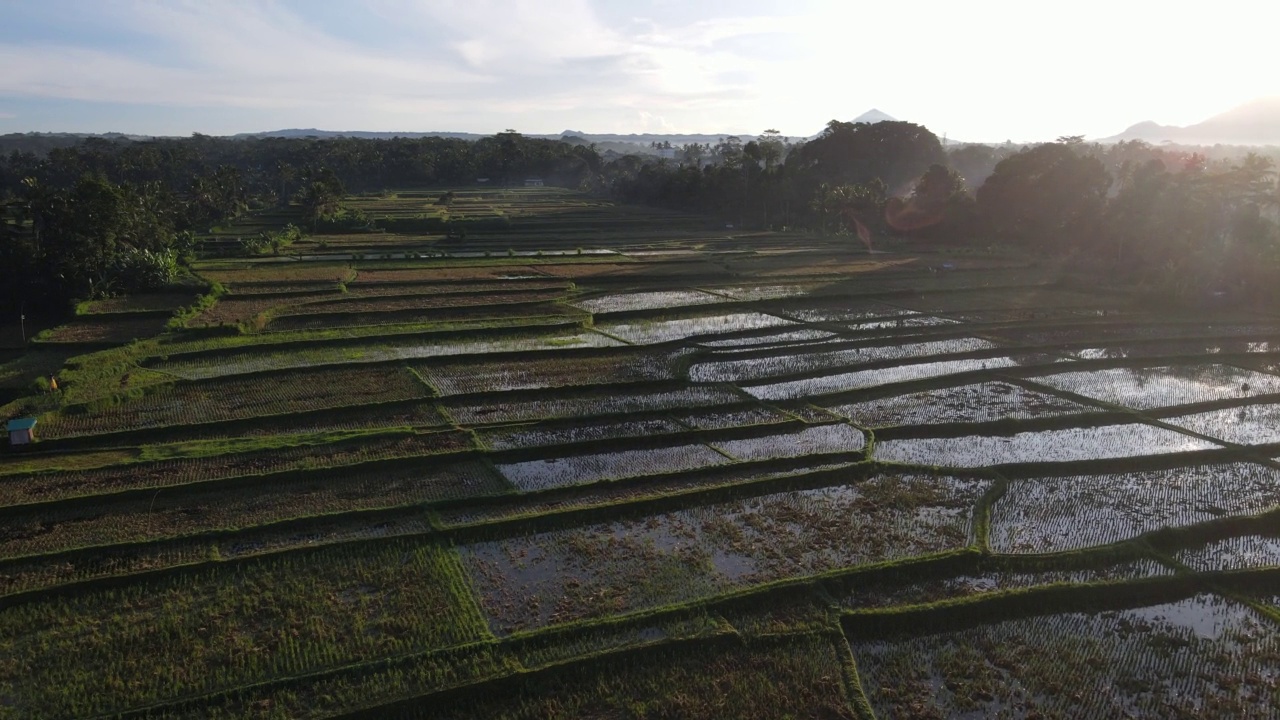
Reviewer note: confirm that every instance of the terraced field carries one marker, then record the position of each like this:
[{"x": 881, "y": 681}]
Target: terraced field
[{"x": 596, "y": 461}]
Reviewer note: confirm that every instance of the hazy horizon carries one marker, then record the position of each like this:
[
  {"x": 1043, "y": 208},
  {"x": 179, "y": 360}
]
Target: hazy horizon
[{"x": 985, "y": 74}]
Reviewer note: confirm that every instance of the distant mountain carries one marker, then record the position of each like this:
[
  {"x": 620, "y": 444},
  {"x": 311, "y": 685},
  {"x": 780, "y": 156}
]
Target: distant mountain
[
  {"x": 646, "y": 138},
  {"x": 870, "y": 117},
  {"x": 576, "y": 136},
  {"x": 362, "y": 134},
  {"x": 873, "y": 116},
  {"x": 42, "y": 143},
  {"x": 607, "y": 143},
  {"x": 1254, "y": 123}
]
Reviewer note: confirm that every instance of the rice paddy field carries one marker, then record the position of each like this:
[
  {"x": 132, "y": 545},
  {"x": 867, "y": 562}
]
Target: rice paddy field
[{"x": 595, "y": 461}]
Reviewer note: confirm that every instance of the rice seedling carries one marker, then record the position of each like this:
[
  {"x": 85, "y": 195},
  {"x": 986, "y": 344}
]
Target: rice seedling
[
  {"x": 725, "y": 680},
  {"x": 722, "y": 418},
  {"x": 784, "y": 337},
  {"x": 1246, "y": 552},
  {"x": 475, "y": 272},
  {"x": 25, "y": 575},
  {"x": 845, "y": 311},
  {"x": 418, "y": 481},
  {"x": 1065, "y": 445},
  {"x": 351, "y": 419},
  {"x": 1053, "y": 514},
  {"x": 753, "y": 293},
  {"x": 238, "y": 273},
  {"x": 117, "y": 328},
  {"x": 820, "y": 440},
  {"x": 901, "y": 322},
  {"x": 571, "y": 403},
  {"x": 354, "y": 689},
  {"x": 150, "y": 302},
  {"x": 15, "y": 465},
  {"x": 648, "y": 332},
  {"x": 582, "y": 270},
  {"x": 981, "y": 402},
  {"x": 365, "y": 304},
  {"x": 611, "y": 494},
  {"x": 163, "y": 515},
  {"x": 531, "y": 475},
  {"x": 539, "y": 284},
  {"x": 461, "y": 377},
  {"x": 536, "y": 653},
  {"x": 264, "y": 358},
  {"x": 651, "y": 300},
  {"x": 114, "y": 649},
  {"x": 248, "y": 310},
  {"x": 859, "y": 379},
  {"x": 632, "y": 564},
  {"x": 815, "y": 360},
  {"x": 1229, "y": 346},
  {"x": 535, "y": 435},
  {"x": 1145, "y": 388},
  {"x": 1151, "y": 662},
  {"x": 1041, "y": 314},
  {"x": 1127, "y": 332},
  {"x": 157, "y": 467},
  {"x": 189, "y": 403},
  {"x": 1010, "y": 299},
  {"x": 1244, "y": 425},
  {"x": 917, "y": 590},
  {"x": 444, "y": 317},
  {"x": 314, "y": 289}
]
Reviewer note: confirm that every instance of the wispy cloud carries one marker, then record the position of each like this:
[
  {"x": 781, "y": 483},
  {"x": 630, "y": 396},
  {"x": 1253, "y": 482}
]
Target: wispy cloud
[
  {"x": 545, "y": 65},
  {"x": 549, "y": 56}
]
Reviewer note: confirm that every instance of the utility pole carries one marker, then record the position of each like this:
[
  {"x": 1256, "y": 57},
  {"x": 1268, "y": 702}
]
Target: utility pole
[{"x": 22, "y": 321}]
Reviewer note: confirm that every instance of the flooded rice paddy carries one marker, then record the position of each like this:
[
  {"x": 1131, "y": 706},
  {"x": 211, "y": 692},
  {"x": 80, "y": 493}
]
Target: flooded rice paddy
[{"x": 949, "y": 486}]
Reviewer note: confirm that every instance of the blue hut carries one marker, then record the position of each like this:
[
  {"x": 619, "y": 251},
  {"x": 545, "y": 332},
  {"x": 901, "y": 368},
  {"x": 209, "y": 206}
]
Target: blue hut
[{"x": 21, "y": 431}]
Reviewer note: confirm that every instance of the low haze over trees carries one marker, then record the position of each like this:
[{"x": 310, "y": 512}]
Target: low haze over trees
[
  {"x": 111, "y": 215},
  {"x": 85, "y": 221}
]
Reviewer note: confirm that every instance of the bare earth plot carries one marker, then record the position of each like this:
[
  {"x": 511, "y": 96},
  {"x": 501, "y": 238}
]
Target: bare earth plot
[{"x": 599, "y": 461}]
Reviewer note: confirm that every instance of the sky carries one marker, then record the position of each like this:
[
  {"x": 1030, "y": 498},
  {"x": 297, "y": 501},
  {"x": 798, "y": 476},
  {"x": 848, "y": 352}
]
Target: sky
[{"x": 973, "y": 71}]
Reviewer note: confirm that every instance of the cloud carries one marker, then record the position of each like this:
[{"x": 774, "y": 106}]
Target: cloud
[
  {"x": 523, "y": 57},
  {"x": 225, "y": 54},
  {"x": 650, "y": 123},
  {"x": 543, "y": 65}
]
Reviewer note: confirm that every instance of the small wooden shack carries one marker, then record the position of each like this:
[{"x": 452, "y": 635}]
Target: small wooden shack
[{"x": 22, "y": 431}]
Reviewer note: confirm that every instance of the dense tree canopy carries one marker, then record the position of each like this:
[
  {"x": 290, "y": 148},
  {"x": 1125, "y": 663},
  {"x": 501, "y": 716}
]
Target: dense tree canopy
[
  {"x": 1044, "y": 195},
  {"x": 108, "y": 215},
  {"x": 105, "y": 216},
  {"x": 893, "y": 152}
]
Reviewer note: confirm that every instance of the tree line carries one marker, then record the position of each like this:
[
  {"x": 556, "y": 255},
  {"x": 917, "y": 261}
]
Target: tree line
[
  {"x": 105, "y": 216},
  {"x": 1187, "y": 223}
]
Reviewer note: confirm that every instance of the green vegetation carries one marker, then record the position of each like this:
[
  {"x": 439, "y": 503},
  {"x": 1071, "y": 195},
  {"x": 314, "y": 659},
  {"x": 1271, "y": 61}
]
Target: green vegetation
[{"x": 388, "y": 476}]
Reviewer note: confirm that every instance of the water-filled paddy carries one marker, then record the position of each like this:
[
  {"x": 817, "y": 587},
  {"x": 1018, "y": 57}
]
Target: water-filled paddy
[
  {"x": 981, "y": 402},
  {"x": 829, "y": 384},
  {"x": 653, "y": 300},
  {"x": 648, "y": 332},
  {"x": 1245, "y": 425},
  {"x": 816, "y": 359},
  {"x": 632, "y": 564},
  {"x": 1146, "y": 388},
  {"x": 1052, "y": 514},
  {"x": 1147, "y": 662},
  {"x": 530, "y": 475},
  {"x": 1065, "y": 445},
  {"x": 1237, "y": 553}
]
